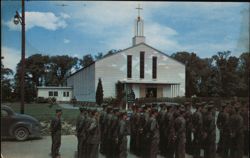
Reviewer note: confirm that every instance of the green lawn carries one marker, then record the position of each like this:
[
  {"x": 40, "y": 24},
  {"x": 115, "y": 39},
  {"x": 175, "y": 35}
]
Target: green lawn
[{"x": 43, "y": 112}]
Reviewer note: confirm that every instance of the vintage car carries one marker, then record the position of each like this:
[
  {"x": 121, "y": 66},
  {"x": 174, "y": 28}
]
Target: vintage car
[{"x": 18, "y": 126}]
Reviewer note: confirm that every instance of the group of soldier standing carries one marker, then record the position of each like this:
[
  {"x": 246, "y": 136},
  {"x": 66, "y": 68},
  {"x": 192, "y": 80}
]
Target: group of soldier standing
[{"x": 171, "y": 131}]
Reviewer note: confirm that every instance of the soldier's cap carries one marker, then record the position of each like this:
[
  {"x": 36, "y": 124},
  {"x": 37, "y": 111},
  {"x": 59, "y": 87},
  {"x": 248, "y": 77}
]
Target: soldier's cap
[
  {"x": 104, "y": 105},
  {"x": 58, "y": 110},
  {"x": 154, "y": 110},
  {"x": 223, "y": 105},
  {"x": 116, "y": 109},
  {"x": 211, "y": 102},
  {"x": 162, "y": 105},
  {"x": 187, "y": 103},
  {"x": 122, "y": 112},
  {"x": 210, "y": 106},
  {"x": 237, "y": 106},
  {"x": 203, "y": 103},
  {"x": 182, "y": 109}
]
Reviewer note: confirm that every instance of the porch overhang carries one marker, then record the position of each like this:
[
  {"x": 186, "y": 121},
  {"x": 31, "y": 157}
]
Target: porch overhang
[{"x": 149, "y": 82}]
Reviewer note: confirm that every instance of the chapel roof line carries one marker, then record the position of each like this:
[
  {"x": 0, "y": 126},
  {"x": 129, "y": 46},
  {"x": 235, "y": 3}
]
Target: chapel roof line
[{"x": 125, "y": 50}]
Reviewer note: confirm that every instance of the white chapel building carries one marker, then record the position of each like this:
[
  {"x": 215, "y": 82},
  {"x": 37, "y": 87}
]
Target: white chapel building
[{"x": 146, "y": 70}]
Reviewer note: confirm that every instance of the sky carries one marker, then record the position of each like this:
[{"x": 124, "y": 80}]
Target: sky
[{"x": 77, "y": 28}]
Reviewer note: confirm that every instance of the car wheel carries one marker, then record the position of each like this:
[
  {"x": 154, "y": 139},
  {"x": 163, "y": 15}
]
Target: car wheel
[{"x": 21, "y": 133}]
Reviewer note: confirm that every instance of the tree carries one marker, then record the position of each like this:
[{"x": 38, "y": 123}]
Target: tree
[
  {"x": 119, "y": 93},
  {"x": 59, "y": 66},
  {"x": 98, "y": 56},
  {"x": 6, "y": 83},
  {"x": 87, "y": 60},
  {"x": 99, "y": 93}
]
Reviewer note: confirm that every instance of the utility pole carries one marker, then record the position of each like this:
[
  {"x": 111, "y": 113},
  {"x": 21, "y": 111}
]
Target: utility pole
[
  {"x": 21, "y": 20},
  {"x": 23, "y": 58}
]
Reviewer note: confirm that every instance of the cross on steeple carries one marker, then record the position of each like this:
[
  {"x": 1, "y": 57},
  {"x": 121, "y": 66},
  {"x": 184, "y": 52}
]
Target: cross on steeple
[{"x": 139, "y": 10}]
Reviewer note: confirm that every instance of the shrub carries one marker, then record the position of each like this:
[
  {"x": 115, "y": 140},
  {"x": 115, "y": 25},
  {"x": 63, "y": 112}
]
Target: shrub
[{"x": 42, "y": 100}]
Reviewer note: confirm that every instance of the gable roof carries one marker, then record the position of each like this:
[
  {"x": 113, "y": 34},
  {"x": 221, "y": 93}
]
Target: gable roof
[{"x": 125, "y": 50}]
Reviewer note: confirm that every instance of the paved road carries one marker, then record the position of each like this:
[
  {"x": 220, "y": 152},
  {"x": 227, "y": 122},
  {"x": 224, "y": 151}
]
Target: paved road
[{"x": 41, "y": 148}]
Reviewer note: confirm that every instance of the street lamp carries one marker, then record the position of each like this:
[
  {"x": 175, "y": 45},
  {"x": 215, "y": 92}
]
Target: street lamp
[{"x": 21, "y": 19}]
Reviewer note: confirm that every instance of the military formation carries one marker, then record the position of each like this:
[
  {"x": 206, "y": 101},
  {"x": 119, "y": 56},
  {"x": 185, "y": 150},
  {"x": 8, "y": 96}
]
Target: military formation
[{"x": 169, "y": 130}]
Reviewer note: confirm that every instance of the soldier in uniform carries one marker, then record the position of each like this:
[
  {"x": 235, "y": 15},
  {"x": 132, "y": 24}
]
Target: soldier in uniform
[
  {"x": 236, "y": 133},
  {"x": 79, "y": 120},
  {"x": 106, "y": 127},
  {"x": 122, "y": 135},
  {"x": 223, "y": 126},
  {"x": 93, "y": 139},
  {"x": 169, "y": 132},
  {"x": 197, "y": 130},
  {"x": 209, "y": 133},
  {"x": 180, "y": 130},
  {"x": 113, "y": 134},
  {"x": 188, "y": 119},
  {"x": 55, "y": 129},
  {"x": 245, "y": 116},
  {"x": 102, "y": 125},
  {"x": 160, "y": 120},
  {"x": 83, "y": 134},
  {"x": 152, "y": 135},
  {"x": 133, "y": 120}
]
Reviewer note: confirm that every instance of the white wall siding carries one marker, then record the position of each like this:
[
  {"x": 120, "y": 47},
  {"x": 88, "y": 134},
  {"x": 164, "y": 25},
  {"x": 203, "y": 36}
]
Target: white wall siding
[
  {"x": 83, "y": 83},
  {"x": 114, "y": 68},
  {"x": 44, "y": 92}
]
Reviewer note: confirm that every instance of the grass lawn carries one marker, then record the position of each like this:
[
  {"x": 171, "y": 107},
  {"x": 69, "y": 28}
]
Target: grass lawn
[{"x": 43, "y": 112}]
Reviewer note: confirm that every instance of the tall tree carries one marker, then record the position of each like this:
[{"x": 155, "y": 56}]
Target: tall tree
[
  {"x": 59, "y": 66},
  {"x": 99, "y": 93},
  {"x": 6, "y": 83},
  {"x": 87, "y": 60}
]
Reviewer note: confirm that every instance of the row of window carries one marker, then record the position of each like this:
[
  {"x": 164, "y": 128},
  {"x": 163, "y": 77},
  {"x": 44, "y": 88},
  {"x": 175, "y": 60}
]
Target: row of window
[
  {"x": 142, "y": 64},
  {"x": 55, "y": 94}
]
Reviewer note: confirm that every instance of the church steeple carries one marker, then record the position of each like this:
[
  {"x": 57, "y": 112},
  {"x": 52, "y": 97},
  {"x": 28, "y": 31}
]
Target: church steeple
[{"x": 139, "y": 34}]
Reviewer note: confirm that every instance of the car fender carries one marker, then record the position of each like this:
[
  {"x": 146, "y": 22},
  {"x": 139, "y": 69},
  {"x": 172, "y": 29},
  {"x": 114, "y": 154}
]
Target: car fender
[{"x": 20, "y": 124}]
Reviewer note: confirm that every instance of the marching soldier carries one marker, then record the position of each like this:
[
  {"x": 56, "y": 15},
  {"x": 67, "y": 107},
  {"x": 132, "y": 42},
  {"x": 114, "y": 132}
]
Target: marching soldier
[
  {"x": 236, "y": 133},
  {"x": 133, "y": 125},
  {"x": 55, "y": 129},
  {"x": 197, "y": 130},
  {"x": 209, "y": 133},
  {"x": 180, "y": 130},
  {"x": 93, "y": 138}
]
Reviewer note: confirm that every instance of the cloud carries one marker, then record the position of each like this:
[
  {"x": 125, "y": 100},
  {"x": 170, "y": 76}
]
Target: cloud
[
  {"x": 66, "y": 41},
  {"x": 11, "y": 57},
  {"x": 46, "y": 20}
]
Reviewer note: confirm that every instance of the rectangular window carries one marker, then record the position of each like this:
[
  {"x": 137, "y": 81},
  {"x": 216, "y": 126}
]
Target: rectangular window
[
  {"x": 50, "y": 93},
  {"x": 65, "y": 94},
  {"x": 142, "y": 64},
  {"x": 129, "y": 66},
  {"x": 154, "y": 68},
  {"x": 55, "y": 93}
]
